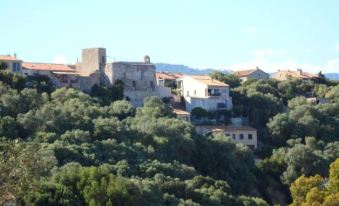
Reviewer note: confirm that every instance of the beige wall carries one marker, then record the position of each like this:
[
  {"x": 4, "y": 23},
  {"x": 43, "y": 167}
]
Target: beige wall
[
  {"x": 279, "y": 76},
  {"x": 235, "y": 137},
  {"x": 58, "y": 79},
  {"x": 13, "y": 65},
  {"x": 93, "y": 59}
]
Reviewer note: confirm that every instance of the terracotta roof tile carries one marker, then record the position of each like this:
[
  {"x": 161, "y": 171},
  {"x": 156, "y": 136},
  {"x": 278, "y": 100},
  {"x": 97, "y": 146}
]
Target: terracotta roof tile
[
  {"x": 48, "y": 67},
  {"x": 205, "y": 79},
  {"x": 297, "y": 74},
  {"x": 244, "y": 73},
  {"x": 162, "y": 75},
  {"x": 8, "y": 57}
]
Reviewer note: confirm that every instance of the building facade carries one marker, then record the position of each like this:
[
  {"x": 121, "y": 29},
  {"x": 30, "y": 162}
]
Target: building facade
[
  {"x": 238, "y": 134},
  {"x": 11, "y": 63},
  {"x": 205, "y": 92},
  {"x": 282, "y": 75},
  {"x": 138, "y": 77}
]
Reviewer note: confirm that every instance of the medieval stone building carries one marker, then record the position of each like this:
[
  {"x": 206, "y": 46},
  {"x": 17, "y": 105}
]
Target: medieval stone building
[{"x": 138, "y": 77}]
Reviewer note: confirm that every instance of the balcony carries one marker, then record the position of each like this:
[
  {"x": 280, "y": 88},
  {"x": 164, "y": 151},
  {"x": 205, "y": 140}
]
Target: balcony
[{"x": 213, "y": 92}]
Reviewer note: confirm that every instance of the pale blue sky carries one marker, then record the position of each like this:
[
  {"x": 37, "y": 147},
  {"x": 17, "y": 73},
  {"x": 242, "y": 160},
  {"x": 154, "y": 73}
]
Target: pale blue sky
[{"x": 216, "y": 33}]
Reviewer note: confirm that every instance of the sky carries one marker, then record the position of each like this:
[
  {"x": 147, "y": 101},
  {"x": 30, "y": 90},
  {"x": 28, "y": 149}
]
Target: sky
[{"x": 220, "y": 34}]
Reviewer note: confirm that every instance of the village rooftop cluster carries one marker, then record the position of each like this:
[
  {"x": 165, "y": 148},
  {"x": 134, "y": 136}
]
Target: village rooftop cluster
[{"x": 184, "y": 92}]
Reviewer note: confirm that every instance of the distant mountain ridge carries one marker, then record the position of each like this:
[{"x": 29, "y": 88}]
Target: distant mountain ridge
[
  {"x": 332, "y": 76},
  {"x": 177, "y": 68}
]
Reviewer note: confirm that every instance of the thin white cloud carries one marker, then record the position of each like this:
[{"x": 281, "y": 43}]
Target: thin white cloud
[
  {"x": 332, "y": 66},
  {"x": 249, "y": 29},
  {"x": 337, "y": 47},
  {"x": 266, "y": 53},
  {"x": 60, "y": 59},
  {"x": 271, "y": 60}
]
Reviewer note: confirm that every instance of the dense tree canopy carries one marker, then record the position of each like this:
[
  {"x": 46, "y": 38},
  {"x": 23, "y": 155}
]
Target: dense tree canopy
[{"x": 65, "y": 147}]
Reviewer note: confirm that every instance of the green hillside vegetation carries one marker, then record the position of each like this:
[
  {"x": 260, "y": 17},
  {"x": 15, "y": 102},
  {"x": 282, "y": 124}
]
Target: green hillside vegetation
[{"x": 65, "y": 147}]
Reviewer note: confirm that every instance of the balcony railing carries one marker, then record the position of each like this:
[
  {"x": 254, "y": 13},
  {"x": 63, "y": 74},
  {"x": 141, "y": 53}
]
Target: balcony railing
[{"x": 210, "y": 94}]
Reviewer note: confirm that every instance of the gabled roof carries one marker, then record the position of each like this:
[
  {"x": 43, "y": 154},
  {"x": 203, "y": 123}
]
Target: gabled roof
[
  {"x": 8, "y": 58},
  {"x": 205, "y": 79},
  {"x": 168, "y": 75},
  {"x": 48, "y": 67},
  {"x": 244, "y": 73},
  {"x": 162, "y": 75}
]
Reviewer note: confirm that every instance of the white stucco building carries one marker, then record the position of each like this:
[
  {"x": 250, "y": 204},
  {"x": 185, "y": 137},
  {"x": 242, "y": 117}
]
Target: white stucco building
[{"x": 205, "y": 92}]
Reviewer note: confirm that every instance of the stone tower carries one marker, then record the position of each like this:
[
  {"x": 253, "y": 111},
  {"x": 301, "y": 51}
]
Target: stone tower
[{"x": 93, "y": 60}]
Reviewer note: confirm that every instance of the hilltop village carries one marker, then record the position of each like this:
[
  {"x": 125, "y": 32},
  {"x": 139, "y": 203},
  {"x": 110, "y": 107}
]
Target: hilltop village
[
  {"x": 199, "y": 99},
  {"x": 122, "y": 133}
]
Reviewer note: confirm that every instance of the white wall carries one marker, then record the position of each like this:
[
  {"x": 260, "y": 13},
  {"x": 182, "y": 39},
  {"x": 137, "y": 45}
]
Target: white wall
[{"x": 194, "y": 93}]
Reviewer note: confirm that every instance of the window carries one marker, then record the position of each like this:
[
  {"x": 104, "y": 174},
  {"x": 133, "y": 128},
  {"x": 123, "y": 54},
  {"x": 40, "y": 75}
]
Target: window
[
  {"x": 241, "y": 136},
  {"x": 233, "y": 136},
  {"x": 250, "y": 136},
  {"x": 214, "y": 92},
  {"x": 161, "y": 82},
  {"x": 195, "y": 92},
  {"x": 142, "y": 75},
  {"x": 134, "y": 84},
  {"x": 152, "y": 85},
  {"x": 16, "y": 67},
  {"x": 187, "y": 93}
]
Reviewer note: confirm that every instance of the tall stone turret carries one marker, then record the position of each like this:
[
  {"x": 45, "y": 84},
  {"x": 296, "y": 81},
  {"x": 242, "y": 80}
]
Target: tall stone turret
[
  {"x": 91, "y": 69},
  {"x": 93, "y": 60}
]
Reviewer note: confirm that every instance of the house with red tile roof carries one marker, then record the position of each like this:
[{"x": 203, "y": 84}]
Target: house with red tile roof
[
  {"x": 256, "y": 73},
  {"x": 11, "y": 63},
  {"x": 166, "y": 79},
  {"x": 299, "y": 74},
  {"x": 61, "y": 75}
]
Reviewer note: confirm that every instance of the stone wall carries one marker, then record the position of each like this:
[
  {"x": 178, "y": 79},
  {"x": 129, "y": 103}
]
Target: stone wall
[
  {"x": 93, "y": 60},
  {"x": 138, "y": 77}
]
